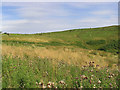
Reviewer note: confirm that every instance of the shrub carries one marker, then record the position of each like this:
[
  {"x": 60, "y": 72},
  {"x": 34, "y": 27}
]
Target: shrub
[
  {"x": 95, "y": 42},
  {"x": 79, "y": 44},
  {"x": 112, "y": 46}
]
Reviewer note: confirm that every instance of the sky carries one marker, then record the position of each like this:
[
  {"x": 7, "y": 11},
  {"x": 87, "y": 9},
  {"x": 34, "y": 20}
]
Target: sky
[
  {"x": 60, "y": 0},
  {"x": 41, "y": 17}
]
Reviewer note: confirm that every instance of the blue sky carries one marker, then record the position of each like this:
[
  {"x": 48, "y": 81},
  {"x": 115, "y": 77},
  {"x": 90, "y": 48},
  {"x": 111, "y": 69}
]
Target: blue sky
[{"x": 29, "y": 17}]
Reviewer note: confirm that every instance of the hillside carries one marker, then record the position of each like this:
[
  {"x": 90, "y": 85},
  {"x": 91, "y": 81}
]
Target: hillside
[
  {"x": 104, "y": 38},
  {"x": 79, "y": 58}
]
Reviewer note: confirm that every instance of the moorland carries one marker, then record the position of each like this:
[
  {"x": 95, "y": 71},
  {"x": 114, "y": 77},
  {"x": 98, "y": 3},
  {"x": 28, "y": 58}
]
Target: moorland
[{"x": 78, "y": 58}]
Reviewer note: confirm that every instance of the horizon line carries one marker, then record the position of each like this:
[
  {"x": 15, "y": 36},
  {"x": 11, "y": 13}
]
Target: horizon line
[{"x": 59, "y": 31}]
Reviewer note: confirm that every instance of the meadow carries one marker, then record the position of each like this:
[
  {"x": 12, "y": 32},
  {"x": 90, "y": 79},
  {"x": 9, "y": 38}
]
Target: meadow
[{"x": 78, "y": 58}]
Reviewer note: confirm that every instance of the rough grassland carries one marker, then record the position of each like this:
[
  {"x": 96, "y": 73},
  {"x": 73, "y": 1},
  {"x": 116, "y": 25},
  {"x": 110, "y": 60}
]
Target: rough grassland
[{"x": 80, "y": 58}]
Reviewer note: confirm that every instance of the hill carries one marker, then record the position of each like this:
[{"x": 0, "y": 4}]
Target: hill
[
  {"x": 79, "y": 58},
  {"x": 103, "y": 38}
]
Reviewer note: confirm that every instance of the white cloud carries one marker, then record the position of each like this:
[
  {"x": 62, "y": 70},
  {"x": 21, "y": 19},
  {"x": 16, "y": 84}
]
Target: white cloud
[
  {"x": 60, "y": 0},
  {"x": 34, "y": 12},
  {"x": 45, "y": 17},
  {"x": 103, "y": 12},
  {"x": 34, "y": 26},
  {"x": 98, "y": 22}
]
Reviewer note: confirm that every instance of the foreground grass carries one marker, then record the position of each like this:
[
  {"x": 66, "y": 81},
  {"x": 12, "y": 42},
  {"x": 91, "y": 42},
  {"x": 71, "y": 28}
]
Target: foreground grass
[
  {"x": 69, "y": 55},
  {"x": 37, "y": 73},
  {"x": 43, "y": 67}
]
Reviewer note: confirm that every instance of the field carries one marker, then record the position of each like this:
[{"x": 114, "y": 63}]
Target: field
[{"x": 79, "y": 58}]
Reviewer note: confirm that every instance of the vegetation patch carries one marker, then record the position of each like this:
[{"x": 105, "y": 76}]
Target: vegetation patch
[
  {"x": 112, "y": 46},
  {"x": 42, "y": 73},
  {"x": 79, "y": 44},
  {"x": 95, "y": 42},
  {"x": 57, "y": 60}
]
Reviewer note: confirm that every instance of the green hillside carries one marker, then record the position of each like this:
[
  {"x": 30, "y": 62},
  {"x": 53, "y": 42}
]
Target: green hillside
[
  {"x": 103, "y": 38},
  {"x": 79, "y": 58}
]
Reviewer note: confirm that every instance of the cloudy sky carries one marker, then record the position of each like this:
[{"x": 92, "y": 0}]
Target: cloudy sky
[{"x": 34, "y": 17}]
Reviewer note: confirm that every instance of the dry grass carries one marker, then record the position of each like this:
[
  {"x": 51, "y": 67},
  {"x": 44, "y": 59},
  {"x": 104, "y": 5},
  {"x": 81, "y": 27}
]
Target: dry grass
[
  {"x": 77, "y": 56},
  {"x": 29, "y": 39}
]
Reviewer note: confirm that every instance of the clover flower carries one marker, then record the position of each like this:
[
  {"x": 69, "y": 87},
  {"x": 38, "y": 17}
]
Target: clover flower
[
  {"x": 48, "y": 86},
  {"x": 36, "y": 83},
  {"x": 62, "y": 82},
  {"x": 94, "y": 86},
  {"x": 84, "y": 77},
  {"x": 99, "y": 82},
  {"x": 41, "y": 84},
  {"x": 81, "y": 86}
]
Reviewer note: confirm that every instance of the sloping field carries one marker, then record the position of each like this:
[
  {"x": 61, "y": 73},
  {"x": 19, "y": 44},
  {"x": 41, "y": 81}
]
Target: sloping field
[{"x": 73, "y": 58}]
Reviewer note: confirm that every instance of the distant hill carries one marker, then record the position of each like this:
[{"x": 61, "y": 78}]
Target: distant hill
[{"x": 102, "y": 38}]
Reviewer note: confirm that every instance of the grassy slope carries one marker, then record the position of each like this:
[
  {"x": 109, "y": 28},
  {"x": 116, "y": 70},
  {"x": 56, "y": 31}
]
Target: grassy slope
[
  {"x": 77, "y": 37},
  {"x": 32, "y": 58}
]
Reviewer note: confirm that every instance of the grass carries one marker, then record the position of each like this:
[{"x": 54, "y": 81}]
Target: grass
[
  {"x": 80, "y": 58},
  {"x": 28, "y": 72},
  {"x": 94, "y": 38}
]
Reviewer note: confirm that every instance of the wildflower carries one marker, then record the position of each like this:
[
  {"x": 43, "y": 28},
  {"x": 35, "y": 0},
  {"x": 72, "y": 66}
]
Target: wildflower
[
  {"x": 48, "y": 86},
  {"x": 91, "y": 70},
  {"x": 97, "y": 65},
  {"x": 110, "y": 85},
  {"x": 109, "y": 76},
  {"x": 47, "y": 73},
  {"x": 94, "y": 86},
  {"x": 99, "y": 81},
  {"x": 14, "y": 67},
  {"x": 113, "y": 74},
  {"x": 107, "y": 70},
  {"x": 49, "y": 83},
  {"x": 61, "y": 82},
  {"x": 39, "y": 83},
  {"x": 43, "y": 86},
  {"x": 90, "y": 81},
  {"x": 36, "y": 83},
  {"x": 38, "y": 56},
  {"x": 76, "y": 82},
  {"x": 52, "y": 83},
  {"x": 91, "y": 78},
  {"x": 76, "y": 78},
  {"x": 81, "y": 86},
  {"x": 83, "y": 76}
]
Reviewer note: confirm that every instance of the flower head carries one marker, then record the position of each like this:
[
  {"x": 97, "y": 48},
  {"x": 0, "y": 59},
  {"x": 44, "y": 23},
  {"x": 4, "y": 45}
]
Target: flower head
[{"x": 99, "y": 82}]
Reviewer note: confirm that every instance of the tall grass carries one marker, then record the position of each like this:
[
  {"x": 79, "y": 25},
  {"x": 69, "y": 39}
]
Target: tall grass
[
  {"x": 30, "y": 73},
  {"x": 80, "y": 58}
]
